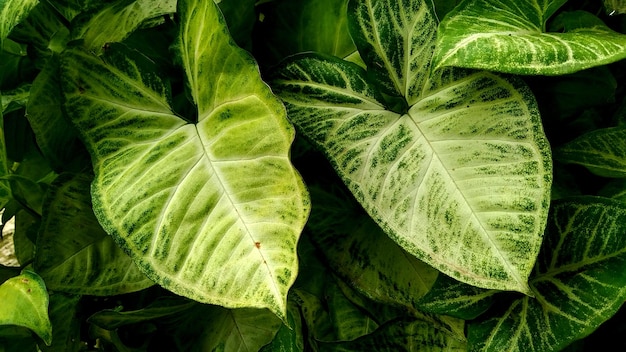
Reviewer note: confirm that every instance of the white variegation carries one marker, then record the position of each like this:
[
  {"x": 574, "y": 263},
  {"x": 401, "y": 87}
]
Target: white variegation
[
  {"x": 461, "y": 180},
  {"x": 579, "y": 282},
  {"x": 510, "y": 36},
  {"x": 210, "y": 210}
]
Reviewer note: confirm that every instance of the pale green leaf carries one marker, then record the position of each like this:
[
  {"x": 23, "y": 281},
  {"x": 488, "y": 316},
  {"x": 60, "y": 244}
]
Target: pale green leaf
[
  {"x": 461, "y": 181},
  {"x": 510, "y": 36},
  {"x": 602, "y": 151},
  {"x": 396, "y": 40},
  {"x": 117, "y": 20},
  {"x": 74, "y": 254},
  {"x": 12, "y": 12},
  {"x": 210, "y": 210},
  {"x": 25, "y": 303},
  {"x": 579, "y": 281}
]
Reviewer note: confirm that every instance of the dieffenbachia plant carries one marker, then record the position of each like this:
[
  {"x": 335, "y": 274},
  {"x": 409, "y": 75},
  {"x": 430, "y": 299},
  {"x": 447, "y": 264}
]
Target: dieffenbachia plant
[
  {"x": 209, "y": 207},
  {"x": 452, "y": 164},
  {"x": 513, "y": 36}
]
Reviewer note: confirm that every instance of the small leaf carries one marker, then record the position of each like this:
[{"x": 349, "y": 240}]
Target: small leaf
[
  {"x": 25, "y": 303},
  {"x": 602, "y": 151},
  {"x": 74, "y": 254},
  {"x": 116, "y": 20},
  {"x": 14, "y": 99},
  {"x": 579, "y": 281},
  {"x": 510, "y": 36}
]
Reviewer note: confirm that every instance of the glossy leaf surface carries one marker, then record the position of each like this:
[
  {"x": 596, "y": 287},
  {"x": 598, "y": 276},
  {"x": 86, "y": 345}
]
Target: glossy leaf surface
[
  {"x": 579, "y": 281},
  {"x": 25, "y": 303},
  {"x": 461, "y": 180},
  {"x": 215, "y": 207},
  {"x": 511, "y": 36}
]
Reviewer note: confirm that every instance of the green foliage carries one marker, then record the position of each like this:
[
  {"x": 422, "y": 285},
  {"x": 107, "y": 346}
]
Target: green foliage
[{"x": 305, "y": 175}]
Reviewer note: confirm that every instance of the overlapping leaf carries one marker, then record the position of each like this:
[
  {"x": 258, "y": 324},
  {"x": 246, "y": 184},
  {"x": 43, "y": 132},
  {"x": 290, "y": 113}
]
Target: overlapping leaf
[
  {"x": 602, "y": 151},
  {"x": 461, "y": 180},
  {"x": 25, "y": 303},
  {"x": 210, "y": 210},
  {"x": 5, "y": 189},
  {"x": 510, "y": 36},
  {"x": 74, "y": 254},
  {"x": 579, "y": 281},
  {"x": 117, "y": 20},
  {"x": 12, "y": 12}
]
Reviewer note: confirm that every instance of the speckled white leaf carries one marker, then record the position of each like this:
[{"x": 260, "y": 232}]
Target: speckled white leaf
[
  {"x": 511, "y": 36},
  {"x": 579, "y": 282},
  {"x": 461, "y": 180},
  {"x": 210, "y": 210}
]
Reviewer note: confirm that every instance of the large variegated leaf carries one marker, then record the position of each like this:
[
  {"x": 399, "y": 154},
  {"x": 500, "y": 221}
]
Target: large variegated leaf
[
  {"x": 210, "y": 210},
  {"x": 510, "y": 36},
  {"x": 12, "y": 12},
  {"x": 579, "y": 282},
  {"x": 461, "y": 181},
  {"x": 602, "y": 151},
  {"x": 363, "y": 255},
  {"x": 74, "y": 254}
]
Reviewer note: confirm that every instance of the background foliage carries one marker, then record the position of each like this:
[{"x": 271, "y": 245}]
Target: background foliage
[{"x": 325, "y": 175}]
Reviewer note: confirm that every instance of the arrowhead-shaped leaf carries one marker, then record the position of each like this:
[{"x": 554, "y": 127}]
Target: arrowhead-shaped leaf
[
  {"x": 510, "y": 36},
  {"x": 461, "y": 180},
  {"x": 210, "y": 210},
  {"x": 579, "y": 282},
  {"x": 602, "y": 151}
]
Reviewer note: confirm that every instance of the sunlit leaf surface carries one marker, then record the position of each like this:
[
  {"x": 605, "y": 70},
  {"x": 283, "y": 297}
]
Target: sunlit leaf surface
[
  {"x": 461, "y": 180},
  {"x": 511, "y": 36},
  {"x": 212, "y": 209}
]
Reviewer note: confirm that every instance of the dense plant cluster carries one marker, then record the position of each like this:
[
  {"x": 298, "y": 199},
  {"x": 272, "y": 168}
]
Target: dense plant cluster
[{"x": 313, "y": 175}]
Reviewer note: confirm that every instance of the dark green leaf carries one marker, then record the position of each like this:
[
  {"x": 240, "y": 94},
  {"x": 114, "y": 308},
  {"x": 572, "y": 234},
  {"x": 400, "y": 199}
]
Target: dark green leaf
[
  {"x": 602, "y": 151},
  {"x": 74, "y": 254}
]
